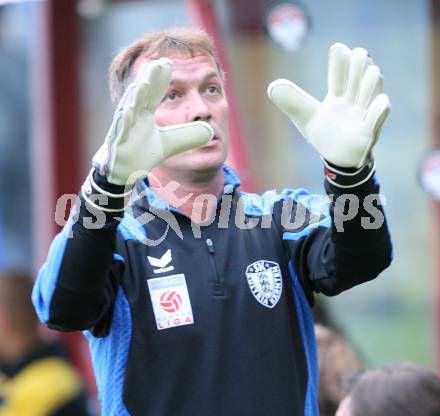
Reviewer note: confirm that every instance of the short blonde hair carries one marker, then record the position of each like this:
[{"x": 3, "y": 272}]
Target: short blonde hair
[{"x": 189, "y": 40}]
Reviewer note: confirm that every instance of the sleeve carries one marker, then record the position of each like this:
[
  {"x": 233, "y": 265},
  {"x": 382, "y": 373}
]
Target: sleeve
[
  {"x": 337, "y": 245},
  {"x": 76, "y": 287}
]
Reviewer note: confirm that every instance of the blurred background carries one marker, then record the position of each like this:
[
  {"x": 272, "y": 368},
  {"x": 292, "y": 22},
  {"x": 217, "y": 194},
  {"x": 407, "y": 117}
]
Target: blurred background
[{"x": 55, "y": 111}]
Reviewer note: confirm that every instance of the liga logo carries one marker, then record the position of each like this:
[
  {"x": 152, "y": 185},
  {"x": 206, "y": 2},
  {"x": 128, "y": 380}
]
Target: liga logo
[
  {"x": 170, "y": 301},
  {"x": 264, "y": 279}
]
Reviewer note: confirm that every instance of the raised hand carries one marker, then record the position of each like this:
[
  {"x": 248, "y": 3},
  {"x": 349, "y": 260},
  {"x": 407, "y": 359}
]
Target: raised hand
[
  {"x": 134, "y": 144},
  {"x": 346, "y": 124}
]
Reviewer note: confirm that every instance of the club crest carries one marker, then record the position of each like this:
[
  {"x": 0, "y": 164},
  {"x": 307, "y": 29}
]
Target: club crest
[{"x": 264, "y": 279}]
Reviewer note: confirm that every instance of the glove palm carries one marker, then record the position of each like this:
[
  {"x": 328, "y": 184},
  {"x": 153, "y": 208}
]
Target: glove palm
[{"x": 346, "y": 124}]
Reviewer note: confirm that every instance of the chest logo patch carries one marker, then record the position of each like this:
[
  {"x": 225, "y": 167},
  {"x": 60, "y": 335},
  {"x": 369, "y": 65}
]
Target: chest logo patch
[
  {"x": 171, "y": 303},
  {"x": 162, "y": 262},
  {"x": 265, "y": 283}
]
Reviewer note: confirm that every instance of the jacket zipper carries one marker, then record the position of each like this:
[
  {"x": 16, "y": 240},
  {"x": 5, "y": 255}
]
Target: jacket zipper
[{"x": 218, "y": 287}]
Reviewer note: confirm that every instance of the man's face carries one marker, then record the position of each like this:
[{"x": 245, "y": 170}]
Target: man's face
[{"x": 196, "y": 93}]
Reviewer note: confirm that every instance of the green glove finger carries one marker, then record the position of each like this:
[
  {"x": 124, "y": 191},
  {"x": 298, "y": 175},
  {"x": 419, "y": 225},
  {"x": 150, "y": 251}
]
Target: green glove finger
[
  {"x": 153, "y": 80},
  {"x": 371, "y": 86},
  {"x": 298, "y": 105},
  {"x": 181, "y": 137},
  {"x": 338, "y": 65},
  {"x": 376, "y": 115},
  {"x": 358, "y": 65}
]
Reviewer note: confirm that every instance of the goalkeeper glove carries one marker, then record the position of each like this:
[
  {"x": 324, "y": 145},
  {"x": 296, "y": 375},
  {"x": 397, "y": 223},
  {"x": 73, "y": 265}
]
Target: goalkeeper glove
[
  {"x": 134, "y": 144},
  {"x": 345, "y": 126}
]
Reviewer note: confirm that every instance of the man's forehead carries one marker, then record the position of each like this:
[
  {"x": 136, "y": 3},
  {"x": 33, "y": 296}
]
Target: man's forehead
[{"x": 181, "y": 61}]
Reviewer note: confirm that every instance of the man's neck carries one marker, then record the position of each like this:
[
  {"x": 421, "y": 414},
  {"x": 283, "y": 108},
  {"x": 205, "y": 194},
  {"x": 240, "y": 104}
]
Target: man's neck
[{"x": 196, "y": 197}]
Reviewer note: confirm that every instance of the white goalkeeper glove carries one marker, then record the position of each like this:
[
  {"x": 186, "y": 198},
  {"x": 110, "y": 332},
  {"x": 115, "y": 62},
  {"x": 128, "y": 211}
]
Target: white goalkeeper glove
[
  {"x": 344, "y": 127},
  {"x": 134, "y": 144}
]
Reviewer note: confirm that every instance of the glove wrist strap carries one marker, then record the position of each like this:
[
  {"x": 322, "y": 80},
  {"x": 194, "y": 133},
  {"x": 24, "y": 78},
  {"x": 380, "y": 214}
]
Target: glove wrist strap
[
  {"x": 348, "y": 177},
  {"x": 102, "y": 199}
]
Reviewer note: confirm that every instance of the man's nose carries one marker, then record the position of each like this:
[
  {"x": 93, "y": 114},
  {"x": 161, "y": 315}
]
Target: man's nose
[{"x": 198, "y": 109}]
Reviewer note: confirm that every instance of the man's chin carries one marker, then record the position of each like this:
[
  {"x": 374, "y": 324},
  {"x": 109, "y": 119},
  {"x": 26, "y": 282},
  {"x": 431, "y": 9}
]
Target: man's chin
[
  {"x": 206, "y": 165},
  {"x": 203, "y": 161}
]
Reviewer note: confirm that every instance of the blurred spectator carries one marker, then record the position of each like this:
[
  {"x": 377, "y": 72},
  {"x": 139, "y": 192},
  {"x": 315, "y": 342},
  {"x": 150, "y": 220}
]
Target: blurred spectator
[
  {"x": 337, "y": 361},
  {"x": 35, "y": 378},
  {"x": 396, "y": 390}
]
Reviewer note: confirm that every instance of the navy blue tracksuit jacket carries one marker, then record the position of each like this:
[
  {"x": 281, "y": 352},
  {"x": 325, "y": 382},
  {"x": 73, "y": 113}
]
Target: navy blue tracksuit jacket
[{"x": 213, "y": 320}]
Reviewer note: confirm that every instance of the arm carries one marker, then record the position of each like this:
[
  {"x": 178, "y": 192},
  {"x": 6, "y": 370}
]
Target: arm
[
  {"x": 76, "y": 287},
  {"x": 335, "y": 246},
  {"x": 358, "y": 242},
  {"x": 349, "y": 248},
  {"x": 346, "y": 250}
]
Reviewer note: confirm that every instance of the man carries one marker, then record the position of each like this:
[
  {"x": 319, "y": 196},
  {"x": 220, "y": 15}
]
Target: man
[
  {"x": 35, "y": 377},
  {"x": 198, "y": 300}
]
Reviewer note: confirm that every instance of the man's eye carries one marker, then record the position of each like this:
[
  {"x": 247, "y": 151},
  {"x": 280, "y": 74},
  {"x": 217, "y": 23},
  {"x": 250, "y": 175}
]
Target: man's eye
[
  {"x": 213, "y": 89},
  {"x": 171, "y": 96}
]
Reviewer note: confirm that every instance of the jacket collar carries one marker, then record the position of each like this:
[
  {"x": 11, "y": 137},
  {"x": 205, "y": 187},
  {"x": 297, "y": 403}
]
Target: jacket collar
[{"x": 144, "y": 197}]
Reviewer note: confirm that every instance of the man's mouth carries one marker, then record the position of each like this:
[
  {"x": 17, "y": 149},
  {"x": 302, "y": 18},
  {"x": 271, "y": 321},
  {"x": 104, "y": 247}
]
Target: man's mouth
[{"x": 212, "y": 142}]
